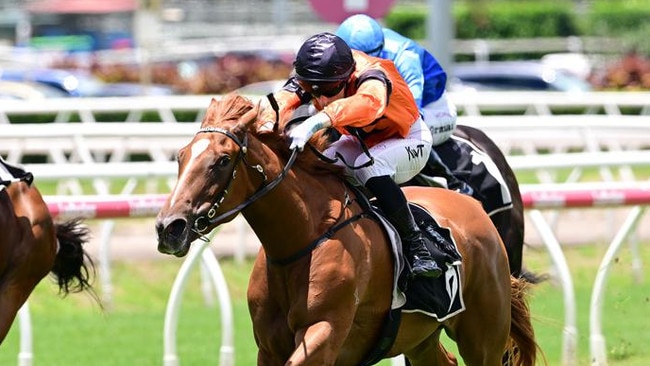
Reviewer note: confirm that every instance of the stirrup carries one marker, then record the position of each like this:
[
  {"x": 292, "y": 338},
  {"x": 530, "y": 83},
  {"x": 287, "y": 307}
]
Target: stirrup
[
  {"x": 425, "y": 268},
  {"x": 465, "y": 189}
]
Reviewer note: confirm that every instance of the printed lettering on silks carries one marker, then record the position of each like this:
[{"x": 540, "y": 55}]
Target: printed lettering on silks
[
  {"x": 444, "y": 128},
  {"x": 416, "y": 152}
]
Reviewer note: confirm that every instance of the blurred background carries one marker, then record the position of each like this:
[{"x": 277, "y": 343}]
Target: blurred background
[
  {"x": 562, "y": 87},
  {"x": 165, "y": 47}
]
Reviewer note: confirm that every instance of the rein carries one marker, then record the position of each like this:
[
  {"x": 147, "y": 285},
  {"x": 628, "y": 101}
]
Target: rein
[
  {"x": 354, "y": 132},
  {"x": 302, "y": 113},
  {"x": 209, "y": 219},
  {"x": 321, "y": 239}
]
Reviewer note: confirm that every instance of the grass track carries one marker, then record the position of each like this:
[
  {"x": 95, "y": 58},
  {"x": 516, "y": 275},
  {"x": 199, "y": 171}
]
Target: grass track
[{"x": 75, "y": 331}]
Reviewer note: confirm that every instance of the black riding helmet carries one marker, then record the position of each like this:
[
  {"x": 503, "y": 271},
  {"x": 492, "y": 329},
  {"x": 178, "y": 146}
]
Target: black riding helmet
[{"x": 324, "y": 57}]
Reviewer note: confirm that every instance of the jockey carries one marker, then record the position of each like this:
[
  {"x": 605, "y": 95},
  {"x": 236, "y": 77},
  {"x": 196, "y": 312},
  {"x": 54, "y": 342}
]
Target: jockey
[
  {"x": 365, "y": 96},
  {"x": 421, "y": 71}
]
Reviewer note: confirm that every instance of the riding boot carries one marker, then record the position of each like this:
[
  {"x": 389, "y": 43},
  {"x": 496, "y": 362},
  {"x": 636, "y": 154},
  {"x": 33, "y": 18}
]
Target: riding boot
[
  {"x": 439, "y": 168},
  {"x": 393, "y": 203},
  {"x": 424, "y": 263}
]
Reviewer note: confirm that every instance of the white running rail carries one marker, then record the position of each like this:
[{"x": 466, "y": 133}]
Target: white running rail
[{"x": 536, "y": 198}]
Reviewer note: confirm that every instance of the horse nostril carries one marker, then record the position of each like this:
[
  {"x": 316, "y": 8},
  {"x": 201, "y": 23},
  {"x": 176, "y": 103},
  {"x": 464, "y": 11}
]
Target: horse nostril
[{"x": 175, "y": 229}]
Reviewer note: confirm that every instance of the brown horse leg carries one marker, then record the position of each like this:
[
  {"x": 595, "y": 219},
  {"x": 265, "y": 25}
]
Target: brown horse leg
[
  {"x": 513, "y": 239},
  {"x": 316, "y": 345},
  {"x": 489, "y": 315},
  {"x": 445, "y": 357},
  {"x": 430, "y": 352},
  {"x": 12, "y": 297}
]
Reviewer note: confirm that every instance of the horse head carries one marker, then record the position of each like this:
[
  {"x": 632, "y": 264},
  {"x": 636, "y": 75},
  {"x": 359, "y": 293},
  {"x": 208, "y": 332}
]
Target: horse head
[{"x": 207, "y": 191}]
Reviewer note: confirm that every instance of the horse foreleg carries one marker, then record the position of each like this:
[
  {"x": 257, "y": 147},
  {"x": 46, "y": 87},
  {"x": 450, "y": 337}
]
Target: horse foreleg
[
  {"x": 10, "y": 302},
  {"x": 431, "y": 352},
  {"x": 317, "y": 344}
]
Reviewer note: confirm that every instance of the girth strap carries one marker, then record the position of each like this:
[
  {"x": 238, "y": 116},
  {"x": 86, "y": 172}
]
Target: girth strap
[{"x": 308, "y": 249}]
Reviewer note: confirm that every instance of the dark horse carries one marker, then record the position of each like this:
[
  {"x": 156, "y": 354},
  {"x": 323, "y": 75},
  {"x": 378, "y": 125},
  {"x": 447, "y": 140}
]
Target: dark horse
[
  {"x": 32, "y": 245},
  {"x": 508, "y": 221},
  {"x": 320, "y": 290}
]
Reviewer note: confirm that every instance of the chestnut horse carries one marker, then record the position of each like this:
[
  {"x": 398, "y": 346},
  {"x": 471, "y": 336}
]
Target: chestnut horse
[
  {"x": 320, "y": 289},
  {"x": 32, "y": 245}
]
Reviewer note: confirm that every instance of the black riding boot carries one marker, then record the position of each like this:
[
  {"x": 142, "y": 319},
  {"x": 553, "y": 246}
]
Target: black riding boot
[
  {"x": 439, "y": 168},
  {"x": 392, "y": 201}
]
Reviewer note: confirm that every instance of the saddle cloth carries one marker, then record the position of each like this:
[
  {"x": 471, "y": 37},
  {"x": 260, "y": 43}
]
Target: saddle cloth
[
  {"x": 10, "y": 174},
  {"x": 442, "y": 297},
  {"x": 439, "y": 298},
  {"x": 474, "y": 167}
]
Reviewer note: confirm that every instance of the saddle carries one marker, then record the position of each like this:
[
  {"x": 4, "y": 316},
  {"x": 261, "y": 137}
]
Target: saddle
[
  {"x": 432, "y": 297},
  {"x": 11, "y": 174}
]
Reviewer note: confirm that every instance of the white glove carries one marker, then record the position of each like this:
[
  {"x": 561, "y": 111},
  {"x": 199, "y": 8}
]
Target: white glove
[{"x": 300, "y": 134}]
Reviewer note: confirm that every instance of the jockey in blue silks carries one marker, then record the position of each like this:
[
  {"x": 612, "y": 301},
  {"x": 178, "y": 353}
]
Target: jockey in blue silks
[{"x": 422, "y": 72}]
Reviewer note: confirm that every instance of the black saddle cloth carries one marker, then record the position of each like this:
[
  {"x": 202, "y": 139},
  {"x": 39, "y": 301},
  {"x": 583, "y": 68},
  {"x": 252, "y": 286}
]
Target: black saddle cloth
[
  {"x": 440, "y": 297},
  {"x": 474, "y": 167},
  {"x": 17, "y": 173}
]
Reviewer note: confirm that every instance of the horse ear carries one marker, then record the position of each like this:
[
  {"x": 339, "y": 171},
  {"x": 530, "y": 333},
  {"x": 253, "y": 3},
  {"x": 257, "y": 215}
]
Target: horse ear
[{"x": 249, "y": 117}]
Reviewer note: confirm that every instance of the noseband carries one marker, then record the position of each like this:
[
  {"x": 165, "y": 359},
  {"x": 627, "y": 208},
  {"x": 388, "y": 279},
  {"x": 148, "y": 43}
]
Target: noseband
[{"x": 202, "y": 223}]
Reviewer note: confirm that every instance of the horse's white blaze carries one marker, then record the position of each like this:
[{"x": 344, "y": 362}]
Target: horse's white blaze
[{"x": 197, "y": 149}]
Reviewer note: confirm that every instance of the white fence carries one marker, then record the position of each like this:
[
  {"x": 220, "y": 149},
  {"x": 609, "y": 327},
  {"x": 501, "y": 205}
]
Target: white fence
[
  {"x": 468, "y": 103},
  {"x": 540, "y": 143}
]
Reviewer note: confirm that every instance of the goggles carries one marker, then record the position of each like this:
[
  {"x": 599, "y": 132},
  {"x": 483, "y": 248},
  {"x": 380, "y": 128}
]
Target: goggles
[{"x": 327, "y": 89}]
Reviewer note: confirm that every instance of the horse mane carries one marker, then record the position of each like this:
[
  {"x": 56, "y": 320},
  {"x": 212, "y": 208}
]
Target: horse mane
[{"x": 233, "y": 106}]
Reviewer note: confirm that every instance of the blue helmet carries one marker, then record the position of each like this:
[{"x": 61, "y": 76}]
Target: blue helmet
[{"x": 362, "y": 33}]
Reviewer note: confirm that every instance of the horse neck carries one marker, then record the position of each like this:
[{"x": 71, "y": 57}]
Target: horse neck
[{"x": 296, "y": 212}]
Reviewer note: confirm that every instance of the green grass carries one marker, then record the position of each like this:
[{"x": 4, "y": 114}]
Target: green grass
[
  {"x": 75, "y": 331},
  {"x": 588, "y": 175}
]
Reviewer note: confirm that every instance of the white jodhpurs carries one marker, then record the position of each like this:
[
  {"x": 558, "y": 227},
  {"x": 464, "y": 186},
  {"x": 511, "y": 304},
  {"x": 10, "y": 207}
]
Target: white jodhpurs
[
  {"x": 441, "y": 117},
  {"x": 399, "y": 158}
]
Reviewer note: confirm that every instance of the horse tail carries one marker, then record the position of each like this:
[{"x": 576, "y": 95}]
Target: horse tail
[
  {"x": 73, "y": 268},
  {"x": 522, "y": 348},
  {"x": 531, "y": 277}
]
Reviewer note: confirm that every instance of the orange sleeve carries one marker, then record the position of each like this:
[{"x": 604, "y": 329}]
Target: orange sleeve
[
  {"x": 361, "y": 108},
  {"x": 287, "y": 101}
]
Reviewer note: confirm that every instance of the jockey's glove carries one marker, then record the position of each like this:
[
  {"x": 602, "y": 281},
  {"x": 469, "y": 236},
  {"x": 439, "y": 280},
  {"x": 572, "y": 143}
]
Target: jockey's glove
[{"x": 300, "y": 134}]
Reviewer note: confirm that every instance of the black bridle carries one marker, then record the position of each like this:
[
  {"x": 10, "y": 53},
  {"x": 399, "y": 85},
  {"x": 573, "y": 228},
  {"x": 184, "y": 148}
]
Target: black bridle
[
  {"x": 199, "y": 227},
  {"x": 202, "y": 222}
]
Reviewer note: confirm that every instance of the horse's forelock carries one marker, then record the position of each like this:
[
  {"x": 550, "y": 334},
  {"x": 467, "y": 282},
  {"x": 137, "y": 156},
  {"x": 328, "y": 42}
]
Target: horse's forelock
[{"x": 229, "y": 108}]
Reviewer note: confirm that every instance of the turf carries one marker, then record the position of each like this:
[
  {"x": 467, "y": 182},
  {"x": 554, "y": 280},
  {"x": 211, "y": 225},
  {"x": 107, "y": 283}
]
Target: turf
[{"x": 74, "y": 330}]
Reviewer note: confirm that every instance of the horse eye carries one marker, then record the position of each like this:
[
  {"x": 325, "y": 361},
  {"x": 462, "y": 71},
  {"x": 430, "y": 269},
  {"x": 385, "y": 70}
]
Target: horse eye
[{"x": 223, "y": 161}]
